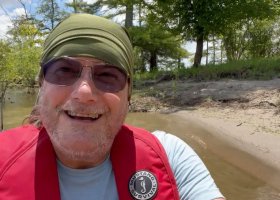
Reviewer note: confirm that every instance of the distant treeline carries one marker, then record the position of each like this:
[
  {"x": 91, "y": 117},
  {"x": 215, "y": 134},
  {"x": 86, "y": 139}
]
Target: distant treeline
[
  {"x": 234, "y": 32},
  {"x": 255, "y": 69}
]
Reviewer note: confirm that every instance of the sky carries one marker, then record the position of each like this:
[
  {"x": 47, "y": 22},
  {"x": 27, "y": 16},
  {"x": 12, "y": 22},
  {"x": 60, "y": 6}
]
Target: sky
[
  {"x": 12, "y": 8},
  {"x": 8, "y": 9}
]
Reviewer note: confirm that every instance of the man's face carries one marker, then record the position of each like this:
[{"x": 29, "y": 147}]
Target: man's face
[{"x": 80, "y": 119}]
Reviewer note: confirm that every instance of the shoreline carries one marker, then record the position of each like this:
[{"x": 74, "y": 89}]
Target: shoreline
[
  {"x": 243, "y": 114},
  {"x": 258, "y": 155}
]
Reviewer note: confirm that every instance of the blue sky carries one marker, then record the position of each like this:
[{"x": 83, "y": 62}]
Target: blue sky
[{"x": 12, "y": 8}]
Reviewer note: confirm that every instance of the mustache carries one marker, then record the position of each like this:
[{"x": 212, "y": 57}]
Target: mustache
[
  {"x": 81, "y": 108},
  {"x": 70, "y": 106}
]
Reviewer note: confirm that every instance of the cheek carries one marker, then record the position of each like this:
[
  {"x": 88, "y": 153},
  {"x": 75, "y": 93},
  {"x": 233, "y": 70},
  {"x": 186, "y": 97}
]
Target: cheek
[
  {"x": 53, "y": 95},
  {"x": 115, "y": 102}
]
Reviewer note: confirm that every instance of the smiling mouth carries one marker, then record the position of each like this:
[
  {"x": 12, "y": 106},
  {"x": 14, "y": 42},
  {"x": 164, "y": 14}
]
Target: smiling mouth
[{"x": 82, "y": 116}]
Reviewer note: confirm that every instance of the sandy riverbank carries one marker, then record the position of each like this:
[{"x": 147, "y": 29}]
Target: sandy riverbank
[
  {"x": 254, "y": 152},
  {"x": 244, "y": 114}
]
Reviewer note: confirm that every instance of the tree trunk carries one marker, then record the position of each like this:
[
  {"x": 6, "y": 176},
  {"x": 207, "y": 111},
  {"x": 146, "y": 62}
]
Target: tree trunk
[
  {"x": 199, "y": 50},
  {"x": 153, "y": 61},
  {"x": 207, "y": 51},
  {"x": 142, "y": 65},
  {"x": 221, "y": 52},
  {"x": 140, "y": 14},
  {"x": 179, "y": 63},
  {"x": 75, "y": 7},
  {"x": 3, "y": 90},
  {"x": 52, "y": 18},
  {"x": 214, "y": 50},
  {"x": 129, "y": 15}
]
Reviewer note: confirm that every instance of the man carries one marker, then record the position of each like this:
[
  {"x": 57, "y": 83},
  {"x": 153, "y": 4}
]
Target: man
[{"x": 78, "y": 146}]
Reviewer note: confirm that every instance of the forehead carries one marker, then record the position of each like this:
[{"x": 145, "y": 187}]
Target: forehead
[{"x": 87, "y": 60}]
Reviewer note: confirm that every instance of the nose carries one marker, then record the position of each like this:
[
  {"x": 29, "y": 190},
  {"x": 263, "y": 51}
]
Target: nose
[{"x": 84, "y": 90}]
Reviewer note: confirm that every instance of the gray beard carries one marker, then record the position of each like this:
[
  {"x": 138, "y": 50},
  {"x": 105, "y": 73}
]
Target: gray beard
[{"x": 101, "y": 138}]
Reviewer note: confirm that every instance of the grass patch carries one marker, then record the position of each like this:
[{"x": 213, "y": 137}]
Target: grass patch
[{"x": 256, "y": 69}]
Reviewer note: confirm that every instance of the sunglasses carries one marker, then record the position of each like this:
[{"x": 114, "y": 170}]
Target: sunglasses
[{"x": 65, "y": 71}]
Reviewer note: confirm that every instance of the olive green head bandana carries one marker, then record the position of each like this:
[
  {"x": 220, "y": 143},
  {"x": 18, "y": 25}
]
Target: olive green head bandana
[{"x": 93, "y": 36}]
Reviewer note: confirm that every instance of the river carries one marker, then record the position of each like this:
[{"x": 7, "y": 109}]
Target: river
[{"x": 234, "y": 182}]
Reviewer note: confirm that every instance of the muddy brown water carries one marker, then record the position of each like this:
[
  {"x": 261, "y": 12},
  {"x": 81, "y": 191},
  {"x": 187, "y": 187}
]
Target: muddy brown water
[{"x": 228, "y": 172}]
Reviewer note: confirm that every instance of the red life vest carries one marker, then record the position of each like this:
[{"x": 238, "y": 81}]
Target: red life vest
[{"x": 28, "y": 168}]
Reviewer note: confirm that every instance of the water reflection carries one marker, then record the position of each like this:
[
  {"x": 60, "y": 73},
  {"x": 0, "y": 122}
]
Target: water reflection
[
  {"x": 233, "y": 182},
  {"x": 18, "y": 105}
]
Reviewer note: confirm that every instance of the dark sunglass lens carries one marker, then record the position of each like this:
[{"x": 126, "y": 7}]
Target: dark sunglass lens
[
  {"x": 62, "y": 71},
  {"x": 109, "y": 78}
]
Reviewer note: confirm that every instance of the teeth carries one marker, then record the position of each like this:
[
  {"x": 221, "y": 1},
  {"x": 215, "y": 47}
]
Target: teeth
[{"x": 74, "y": 114}]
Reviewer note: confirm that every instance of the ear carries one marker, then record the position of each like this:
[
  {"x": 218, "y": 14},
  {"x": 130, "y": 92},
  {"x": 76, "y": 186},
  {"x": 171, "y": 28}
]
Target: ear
[
  {"x": 38, "y": 96},
  {"x": 40, "y": 78},
  {"x": 129, "y": 90}
]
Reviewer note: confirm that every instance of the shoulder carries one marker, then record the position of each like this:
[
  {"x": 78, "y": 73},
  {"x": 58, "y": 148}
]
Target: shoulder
[
  {"x": 18, "y": 135},
  {"x": 173, "y": 143},
  {"x": 177, "y": 150},
  {"x": 192, "y": 177},
  {"x": 15, "y": 141}
]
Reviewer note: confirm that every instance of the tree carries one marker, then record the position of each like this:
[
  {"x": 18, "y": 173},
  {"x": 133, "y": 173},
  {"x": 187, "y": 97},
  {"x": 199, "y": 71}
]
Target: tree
[
  {"x": 123, "y": 7},
  {"x": 6, "y": 76},
  {"x": 151, "y": 40},
  {"x": 260, "y": 35},
  {"x": 276, "y": 37},
  {"x": 19, "y": 55},
  {"x": 50, "y": 14},
  {"x": 25, "y": 43},
  {"x": 80, "y": 6},
  {"x": 250, "y": 39},
  {"x": 156, "y": 41},
  {"x": 196, "y": 19}
]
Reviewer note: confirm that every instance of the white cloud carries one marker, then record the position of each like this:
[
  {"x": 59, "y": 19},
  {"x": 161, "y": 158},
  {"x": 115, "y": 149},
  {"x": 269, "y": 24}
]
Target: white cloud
[
  {"x": 5, "y": 20},
  {"x": 5, "y": 23},
  {"x": 87, "y": 1},
  {"x": 90, "y": 1},
  {"x": 18, "y": 12},
  {"x": 9, "y": 5}
]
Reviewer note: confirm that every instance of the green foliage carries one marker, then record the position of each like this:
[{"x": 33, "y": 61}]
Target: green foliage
[
  {"x": 190, "y": 17},
  {"x": 24, "y": 30},
  {"x": 196, "y": 19},
  {"x": 153, "y": 38},
  {"x": 249, "y": 29},
  {"x": 25, "y": 49},
  {"x": 81, "y": 6},
  {"x": 244, "y": 69},
  {"x": 154, "y": 75},
  {"x": 260, "y": 39},
  {"x": 7, "y": 73},
  {"x": 25, "y": 61},
  {"x": 251, "y": 39}
]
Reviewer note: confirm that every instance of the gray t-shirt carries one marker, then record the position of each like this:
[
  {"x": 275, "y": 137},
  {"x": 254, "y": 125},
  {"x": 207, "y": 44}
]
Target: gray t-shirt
[{"x": 193, "y": 180}]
